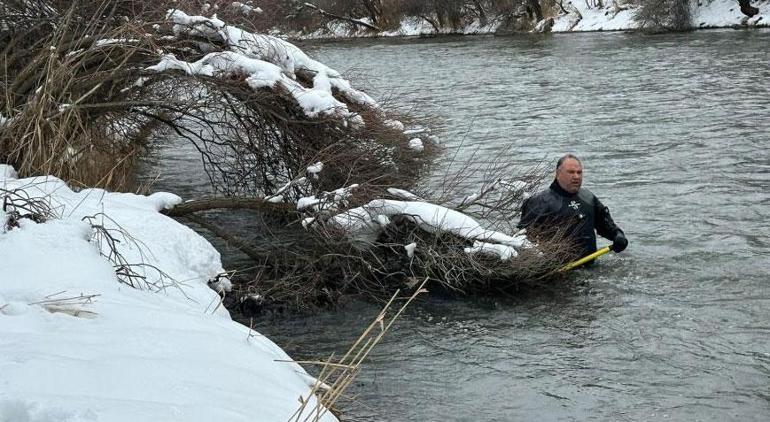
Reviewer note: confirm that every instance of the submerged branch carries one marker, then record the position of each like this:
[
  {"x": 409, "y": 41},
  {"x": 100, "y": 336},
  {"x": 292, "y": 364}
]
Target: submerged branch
[
  {"x": 209, "y": 204},
  {"x": 235, "y": 241}
]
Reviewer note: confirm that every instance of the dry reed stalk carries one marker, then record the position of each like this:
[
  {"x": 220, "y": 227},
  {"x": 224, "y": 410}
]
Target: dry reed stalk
[
  {"x": 68, "y": 305},
  {"x": 51, "y": 88},
  {"x": 336, "y": 377}
]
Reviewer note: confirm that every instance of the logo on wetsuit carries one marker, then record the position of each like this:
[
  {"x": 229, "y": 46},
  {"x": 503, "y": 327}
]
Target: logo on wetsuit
[{"x": 575, "y": 206}]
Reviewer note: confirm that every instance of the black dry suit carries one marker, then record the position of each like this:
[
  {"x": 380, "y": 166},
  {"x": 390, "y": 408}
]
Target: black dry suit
[{"x": 579, "y": 214}]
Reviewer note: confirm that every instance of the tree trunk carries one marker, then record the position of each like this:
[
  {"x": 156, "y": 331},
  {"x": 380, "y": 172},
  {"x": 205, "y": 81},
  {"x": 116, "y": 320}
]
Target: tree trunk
[
  {"x": 535, "y": 9},
  {"x": 207, "y": 204},
  {"x": 480, "y": 12}
]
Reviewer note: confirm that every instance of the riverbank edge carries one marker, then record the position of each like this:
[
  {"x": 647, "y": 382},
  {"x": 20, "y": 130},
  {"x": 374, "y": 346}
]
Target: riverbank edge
[{"x": 720, "y": 14}]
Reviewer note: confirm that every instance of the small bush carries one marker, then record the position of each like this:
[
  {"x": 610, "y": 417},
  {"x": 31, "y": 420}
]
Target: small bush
[{"x": 664, "y": 15}]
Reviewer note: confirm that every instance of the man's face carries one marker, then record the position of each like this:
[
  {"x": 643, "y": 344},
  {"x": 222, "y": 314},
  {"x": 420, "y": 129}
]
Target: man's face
[{"x": 570, "y": 175}]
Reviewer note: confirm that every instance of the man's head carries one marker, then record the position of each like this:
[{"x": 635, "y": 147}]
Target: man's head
[{"x": 569, "y": 173}]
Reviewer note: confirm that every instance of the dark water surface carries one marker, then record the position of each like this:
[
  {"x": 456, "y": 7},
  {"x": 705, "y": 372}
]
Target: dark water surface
[{"x": 673, "y": 131}]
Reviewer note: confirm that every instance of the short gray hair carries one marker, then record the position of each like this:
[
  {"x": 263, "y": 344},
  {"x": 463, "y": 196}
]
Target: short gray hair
[{"x": 566, "y": 157}]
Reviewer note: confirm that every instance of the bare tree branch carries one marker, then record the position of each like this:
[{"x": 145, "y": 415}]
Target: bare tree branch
[{"x": 344, "y": 18}]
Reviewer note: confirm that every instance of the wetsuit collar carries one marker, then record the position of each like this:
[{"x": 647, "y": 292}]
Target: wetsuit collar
[{"x": 559, "y": 190}]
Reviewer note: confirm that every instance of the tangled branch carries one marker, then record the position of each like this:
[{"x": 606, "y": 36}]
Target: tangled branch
[{"x": 138, "y": 275}]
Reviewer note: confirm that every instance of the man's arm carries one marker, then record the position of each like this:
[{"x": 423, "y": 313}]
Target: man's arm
[
  {"x": 607, "y": 228},
  {"x": 529, "y": 213}
]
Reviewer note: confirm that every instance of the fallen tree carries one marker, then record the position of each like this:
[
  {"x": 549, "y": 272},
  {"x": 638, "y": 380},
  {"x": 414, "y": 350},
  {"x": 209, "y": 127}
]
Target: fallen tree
[{"x": 324, "y": 167}]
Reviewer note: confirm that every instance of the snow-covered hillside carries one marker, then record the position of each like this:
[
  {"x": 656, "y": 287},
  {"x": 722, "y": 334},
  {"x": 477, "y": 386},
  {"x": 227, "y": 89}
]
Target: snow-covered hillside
[
  {"x": 581, "y": 15},
  {"x": 705, "y": 14}
]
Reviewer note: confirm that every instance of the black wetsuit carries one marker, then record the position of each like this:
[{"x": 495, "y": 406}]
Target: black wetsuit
[{"x": 581, "y": 214}]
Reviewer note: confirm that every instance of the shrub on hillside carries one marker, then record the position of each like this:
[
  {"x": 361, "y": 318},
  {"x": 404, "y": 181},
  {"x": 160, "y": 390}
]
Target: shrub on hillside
[{"x": 664, "y": 15}]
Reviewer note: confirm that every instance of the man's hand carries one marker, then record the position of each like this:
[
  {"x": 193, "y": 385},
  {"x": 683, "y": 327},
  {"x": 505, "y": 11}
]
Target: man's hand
[{"x": 619, "y": 243}]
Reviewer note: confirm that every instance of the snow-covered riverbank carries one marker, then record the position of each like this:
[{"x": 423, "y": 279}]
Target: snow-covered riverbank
[
  {"x": 581, "y": 17},
  {"x": 704, "y": 14},
  {"x": 79, "y": 344}
]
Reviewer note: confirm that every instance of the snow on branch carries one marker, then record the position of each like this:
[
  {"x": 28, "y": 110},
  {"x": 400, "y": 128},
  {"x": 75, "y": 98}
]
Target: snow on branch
[
  {"x": 366, "y": 222},
  {"x": 265, "y": 61},
  {"x": 260, "y": 74},
  {"x": 245, "y": 8},
  {"x": 327, "y": 200}
]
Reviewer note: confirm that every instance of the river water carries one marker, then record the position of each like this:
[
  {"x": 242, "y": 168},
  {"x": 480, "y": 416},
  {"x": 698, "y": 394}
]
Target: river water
[{"x": 673, "y": 132}]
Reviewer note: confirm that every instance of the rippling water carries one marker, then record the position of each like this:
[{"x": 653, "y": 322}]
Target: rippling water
[{"x": 673, "y": 131}]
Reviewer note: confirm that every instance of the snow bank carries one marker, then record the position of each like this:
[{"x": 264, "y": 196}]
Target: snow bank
[
  {"x": 77, "y": 345},
  {"x": 727, "y": 13},
  {"x": 582, "y": 17},
  {"x": 611, "y": 17},
  {"x": 7, "y": 172}
]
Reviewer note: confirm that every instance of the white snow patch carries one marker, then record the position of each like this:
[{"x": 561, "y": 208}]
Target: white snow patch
[
  {"x": 267, "y": 48},
  {"x": 415, "y": 131},
  {"x": 259, "y": 74},
  {"x": 245, "y": 8},
  {"x": 504, "y": 252},
  {"x": 111, "y": 41},
  {"x": 727, "y": 13},
  {"x": 394, "y": 124},
  {"x": 7, "y": 172},
  {"x": 382, "y": 220},
  {"x": 321, "y": 82},
  {"x": 164, "y": 200},
  {"x": 616, "y": 15},
  {"x": 583, "y": 17},
  {"x": 514, "y": 185},
  {"x": 359, "y": 222},
  {"x": 403, "y": 194},
  {"x": 410, "y": 249},
  {"x": 278, "y": 195},
  {"x": 416, "y": 144},
  {"x": 315, "y": 169},
  {"x": 327, "y": 200}
]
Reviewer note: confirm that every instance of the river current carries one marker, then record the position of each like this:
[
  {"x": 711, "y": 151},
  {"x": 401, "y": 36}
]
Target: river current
[{"x": 673, "y": 132}]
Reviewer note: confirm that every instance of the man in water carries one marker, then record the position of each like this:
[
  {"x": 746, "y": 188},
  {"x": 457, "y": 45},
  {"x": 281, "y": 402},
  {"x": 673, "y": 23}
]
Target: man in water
[{"x": 576, "y": 210}]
